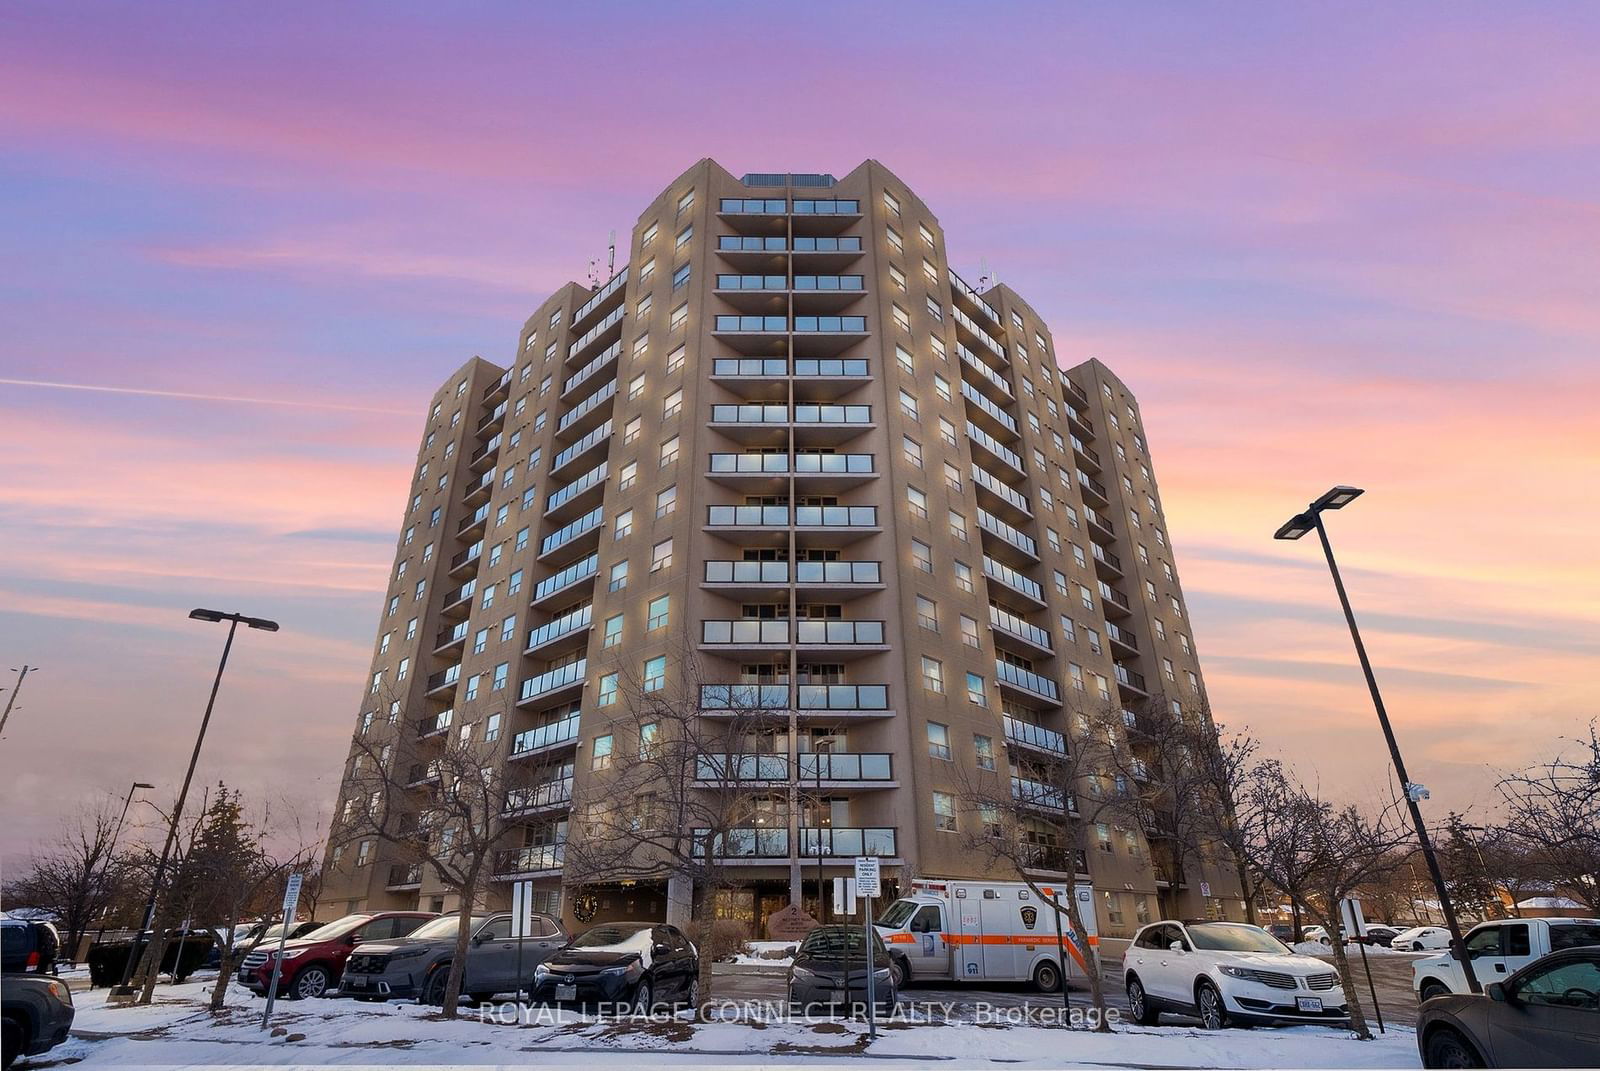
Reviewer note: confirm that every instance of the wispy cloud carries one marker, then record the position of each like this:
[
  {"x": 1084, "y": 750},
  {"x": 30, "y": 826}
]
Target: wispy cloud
[{"x": 190, "y": 396}]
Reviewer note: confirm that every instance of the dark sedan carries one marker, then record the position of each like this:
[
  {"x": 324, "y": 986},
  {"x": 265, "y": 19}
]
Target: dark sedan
[
  {"x": 1545, "y": 1015},
  {"x": 830, "y": 970},
  {"x": 622, "y": 967},
  {"x": 37, "y": 1015}
]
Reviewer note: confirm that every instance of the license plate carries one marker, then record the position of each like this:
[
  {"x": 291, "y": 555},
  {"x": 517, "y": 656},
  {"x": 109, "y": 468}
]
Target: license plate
[
  {"x": 566, "y": 992},
  {"x": 1308, "y": 1004},
  {"x": 358, "y": 983}
]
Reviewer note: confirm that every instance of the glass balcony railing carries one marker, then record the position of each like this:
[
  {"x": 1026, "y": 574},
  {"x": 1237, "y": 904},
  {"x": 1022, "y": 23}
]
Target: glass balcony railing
[
  {"x": 984, "y": 479},
  {"x": 578, "y": 570},
  {"x": 1038, "y": 794},
  {"x": 1005, "y": 621},
  {"x": 995, "y": 447},
  {"x": 580, "y": 446},
  {"x": 845, "y": 766},
  {"x": 724, "y": 768},
  {"x": 988, "y": 341},
  {"x": 613, "y": 318},
  {"x": 833, "y": 414},
  {"x": 830, "y": 324},
  {"x": 615, "y": 283},
  {"x": 564, "y": 625},
  {"x": 750, "y": 366},
  {"x": 831, "y": 367},
  {"x": 600, "y": 361},
  {"x": 973, "y": 395},
  {"x": 560, "y": 677},
  {"x": 839, "y": 633},
  {"x": 752, "y": 697},
  {"x": 736, "y": 243},
  {"x": 842, "y": 697},
  {"x": 1036, "y": 736},
  {"x": 437, "y": 724},
  {"x": 752, "y": 324},
  {"x": 834, "y": 207},
  {"x": 996, "y": 527},
  {"x": 1012, "y": 579},
  {"x": 566, "y": 534},
  {"x": 849, "y": 283},
  {"x": 833, "y": 463},
  {"x": 843, "y": 244},
  {"x": 1027, "y": 680},
  {"x": 749, "y": 464},
  {"x": 744, "y": 632},
  {"x": 561, "y": 497},
  {"x": 757, "y": 206},
  {"x": 977, "y": 364},
  {"x": 531, "y": 859},
  {"x": 752, "y": 282},
  {"x": 827, "y": 841},
  {"x": 549, "y": 794},
  {"x": 750, "y": 414},
  {"x": 546, "y": 736},
  {"x": 836, "y": 516},
  {"x": 959, "y": 285},
  {"x": 838, "y": 572},
  {"x": 742, "y": 572},
  {"x": 587, "y": 406},
  {"x": 747, "y": 516}
]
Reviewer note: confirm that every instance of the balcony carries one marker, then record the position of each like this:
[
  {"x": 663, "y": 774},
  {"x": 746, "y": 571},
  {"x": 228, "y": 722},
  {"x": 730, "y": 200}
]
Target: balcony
[
  {"x": 471, "y": 525},
  {"x": 1099, "y": 523},
  {"x": 1114, "y": 600},
  {"x": 747, "y": 518},
  {"x": 1009, "y": 624},
  {"x": 486, "y": 453},
  {"x": 557, "y": 734},
  {"x": 744, "y": 698},
  {"x": 554, "y": 682},
  {"x": 1002, "y": 453},
  {"x": 972, "y": 299},
  {"x": 1107, "y": 561},
  {"x": 551, "y": 795},
  {"x": 493, "y": 420},
  {"x": 533, "y": 861},
  {"x": 561, "y": 537},
  {"x": 733, "y": 328},
  {"x": 746, "y": 574},
  {"x": 459, "y": 601},
  {"x": 1075, "y": 391},
  {"x": 450, "y": 637},
  {"x": 422, "y": 773},
  {"x": 444, "y": 680},
  {"x": 583, "y": 347},
  {"x": 722, "y": 769},
  {"x": 576, "y": 420},
  {"x": 575, "y": 491},
  {"x": 826, "y": 253},
  {"x": 611, "y": 290},
  {"x": 1026, "y": 681},
  {"x": 996, "y": 418},
  {"x": 832, "y": 368},
  {"x": 840, "y": 767},
  {"x": 1015, "y": 581},
  {"x": 576, "y": 573},
  {"x": 499, "y": 388},
  {"x": 465, "y": 561},
  {"x": 598, "y": 364},
  {"x": 404, "y": 876},
  {"x": 763, "y": 368},
  {"x": 833, "y": 414},
  {"x": 842, "y": 699},
  {"x": 745, "y": 634},
  {"x": 828, "y": 842},
  {"x": 836, "y": 517},
  {"x": 1012, "y": 537},
  {"x": 753, "y": 414},
  {"x": 1032, "y": 793},
  {"x": 436, "y": 725},
  {"x": 1130, "y": 680},
  {"x": 569, "y": 624},
  {"x": 841, "y": 579},
  {"x": 480, "y": 490},
  {"x": 752, "y": 206},
  {"x": 1006, "y": 494},
  {"x": 742, "y": 469},
  {"x": 578, "y": 449},
  {"x": 827, "y": 336},
  {"x": 827, "y": 293},
  {"x": 840, "y": 635},
  {"x": 1094, "y": 492},
  {"x": 1086, "y": 455},
  {"x": 976, "y": 332},
  {"x": 980, "y": 366},
  {"x": 1037, "y": 737},
  {"x": 1122, "y": 638}
]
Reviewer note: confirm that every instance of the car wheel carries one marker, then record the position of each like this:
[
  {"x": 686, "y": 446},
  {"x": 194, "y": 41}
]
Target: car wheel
[
  {"x": 1139, "y": 1009},
  {"x": 1446, "y": 1048},
  {"x": 1416, "y": 946},
  {"x": 1213, "y": 1014},
  {"x": 644, "y": 998},
  {"x": 434, "y": 985},
  {"x": 1432, "y": 989},
  {"x": 311, "y": 982},
  {"x": 1047, "y": 977},
  {"x": 899, "y": 971},
  {"x": 11, "y": 1036}
]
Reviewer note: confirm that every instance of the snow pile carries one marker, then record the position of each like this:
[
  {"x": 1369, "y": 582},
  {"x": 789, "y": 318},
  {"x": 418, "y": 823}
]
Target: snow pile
[
  {"x": 775, "y": 954},
  {"x": 177, "y": 1030},
  {"x": 1312, "y": 948}
]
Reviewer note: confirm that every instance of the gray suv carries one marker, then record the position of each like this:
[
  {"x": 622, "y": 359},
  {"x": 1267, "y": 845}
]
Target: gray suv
[{"x": 418, "y": 965}]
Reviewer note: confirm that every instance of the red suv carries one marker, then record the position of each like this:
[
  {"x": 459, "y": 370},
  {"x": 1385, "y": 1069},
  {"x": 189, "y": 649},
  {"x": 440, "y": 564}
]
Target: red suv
[{"x": 313, "y": 964}]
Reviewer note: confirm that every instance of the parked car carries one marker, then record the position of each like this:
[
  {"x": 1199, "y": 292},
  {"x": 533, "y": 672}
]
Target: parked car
[
  {"x": 418, "y": 965},
  {"x": 830, "y": 969},
  {"x": 28, "y": 945},
  {"x": 35, "y": 1015},
  {"x": 261, "y": 935},
  {"x": 1421, "y": 939},
  {"x": 1282, "y": 931},
  {"x": 314, "y": 963},
  {"x": 184, "y": 953},
  {"x": 1316, "y": 934},
  {"x": 1545, "y": 1015},
  {"x": 1377, "y": 935},
  {"x": 1226, "y": 972},
  {"x": 636, "y": 965},
  {"x": 1500, "y": 949}
]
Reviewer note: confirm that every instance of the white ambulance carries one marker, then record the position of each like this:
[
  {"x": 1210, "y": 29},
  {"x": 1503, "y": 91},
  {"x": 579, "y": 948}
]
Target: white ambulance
[{"x": 984, "y": 931}]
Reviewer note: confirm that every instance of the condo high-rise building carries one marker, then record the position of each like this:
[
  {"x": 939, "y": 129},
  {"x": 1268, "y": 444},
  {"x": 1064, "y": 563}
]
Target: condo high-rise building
[{"x": 864, "y": 492}]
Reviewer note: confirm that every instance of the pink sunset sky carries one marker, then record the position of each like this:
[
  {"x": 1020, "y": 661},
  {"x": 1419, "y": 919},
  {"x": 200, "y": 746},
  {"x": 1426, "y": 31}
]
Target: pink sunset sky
[{"x": 241, "y": 245}]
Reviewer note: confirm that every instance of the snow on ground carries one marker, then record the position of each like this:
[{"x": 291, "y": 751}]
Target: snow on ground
[
  {"x": 177, "y": 1030},
  {"x": 1315, "y": 948},
  {"x": 766, "y": 954}
]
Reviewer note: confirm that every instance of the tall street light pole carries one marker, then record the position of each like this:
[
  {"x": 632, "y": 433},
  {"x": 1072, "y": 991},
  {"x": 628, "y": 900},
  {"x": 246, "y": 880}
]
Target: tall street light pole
[
  {"x": 1294, "y": 528},
  {"x": 22, "y": 675},
  {"x": 234, "y": 621},
  {"x": 116, "y": 833}
]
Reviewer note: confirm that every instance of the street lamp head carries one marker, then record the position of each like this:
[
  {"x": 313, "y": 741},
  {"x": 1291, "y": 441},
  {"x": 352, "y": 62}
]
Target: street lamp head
[
  {"x": 1295, "y": 527},
  {"x": 260, "y": 623},
  {"x": 1338, "y": 498},
  {"x": 207, "y": 615},
  {"x": 249, "y": 622},
  {"x": 141, "y": 784}
]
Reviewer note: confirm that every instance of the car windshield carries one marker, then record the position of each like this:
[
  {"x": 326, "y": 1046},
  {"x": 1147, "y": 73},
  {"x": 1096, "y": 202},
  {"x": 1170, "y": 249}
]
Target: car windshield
[
  {"x": 336, "y": 928},
  {"x": 444, "y": 926},
  {"x": 1234, "y": 937},
  {"x": 838, "y": 942},
  {"x": 897, "y": 914},
  {"x": 614, "y": 939}
]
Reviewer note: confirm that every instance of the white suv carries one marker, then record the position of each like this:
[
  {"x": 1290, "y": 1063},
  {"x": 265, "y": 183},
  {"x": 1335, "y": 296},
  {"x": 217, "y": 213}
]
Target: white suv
[{"x": 1227, "y": 972}]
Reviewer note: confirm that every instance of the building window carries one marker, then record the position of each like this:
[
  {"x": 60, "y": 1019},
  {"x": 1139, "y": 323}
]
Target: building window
[
  {"x": 658, "y": 613},
  {"x": 675, "y": 360},
  {"x": 897, "y": 277},
  {"x": 619, "y": 576},
  {"x": 901, "y": 319},
  {"x": 983, "y": 748},
  {"x": 964, "y": 576},
  {"x": 624, "y": 525},
  {"x": 680, "y": 278},
  {"x": 932, "y": 674},
  {"x": 500, "y": 673},
  {"x": 908, "y": 404},
  {"x": 669, "y": 452},
  {"x": 608, "y": 690},
  {"x": 922, "y": 555},
  {"x": 613, "y": 631},
  {"x": 938, "y": 740},
  {"x": 491, "y": 729},
  {"x": 906, "y": 361},
  {"x": 969, "y": 631},
  {"x": 918, "y": 502},
  {"x": 673, "y": 404},
  {"x": 661, "y": 556},
  {"x": 927, "y": 613},
  {"x": 600, "y": 757},
  {"x": 655, "y": 673},
  {"x": 958, "y": 526},
  {"x": 944, "y": 812},
  {"x": 680, "y": 316},
  {"x": 628, "y": 474},
  {"x": 480, "y": 640},
  {"x": 666, "y": 501},
  {"x": 975, "y": 690},
  {"x": 913, "y": 450}
]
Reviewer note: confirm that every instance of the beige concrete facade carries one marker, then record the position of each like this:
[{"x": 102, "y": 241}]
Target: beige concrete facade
[{"x": 785, "y": 372}]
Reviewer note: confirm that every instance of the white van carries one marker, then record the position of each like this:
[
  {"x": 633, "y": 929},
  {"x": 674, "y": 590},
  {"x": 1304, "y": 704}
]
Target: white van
[{"x": 983, "y": 931}]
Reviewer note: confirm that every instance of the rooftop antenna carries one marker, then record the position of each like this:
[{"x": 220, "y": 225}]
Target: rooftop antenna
[
  {"x": 594, "y": 273},
  {"x": 611, "y": 255},
  {"x": 983, "y": 274}
]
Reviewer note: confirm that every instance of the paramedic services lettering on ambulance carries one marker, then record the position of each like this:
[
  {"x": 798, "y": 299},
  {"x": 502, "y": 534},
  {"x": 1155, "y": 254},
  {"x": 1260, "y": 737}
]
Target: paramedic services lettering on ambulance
[{"x": 993, "y": 931}]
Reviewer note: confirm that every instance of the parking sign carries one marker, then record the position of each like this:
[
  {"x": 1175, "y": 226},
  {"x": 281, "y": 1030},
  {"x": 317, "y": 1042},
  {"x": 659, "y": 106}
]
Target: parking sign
[{"x": 867, "y": 883}]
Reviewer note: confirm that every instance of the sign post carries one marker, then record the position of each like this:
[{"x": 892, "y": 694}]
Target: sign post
[
  {"x": 291, "y": 900},
  {"x": 1061, "y": 953},
  {"x": 868, "y": 885},
  {"x": 521, "y": 923},
  {"x": 1355, "y": 923}
]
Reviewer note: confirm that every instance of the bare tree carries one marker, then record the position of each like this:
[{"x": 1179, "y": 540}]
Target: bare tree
[
  {"x": 1031, "y": 820},
  {"x": 1553, "y": 809},
  {"x": 442, "y": 803},
  {"x": 689, "y": 761},
  {"x": 1319, "y": 854},
  {"x": 1222, "y": 761},
  {"x": 78, "y": 878}
]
